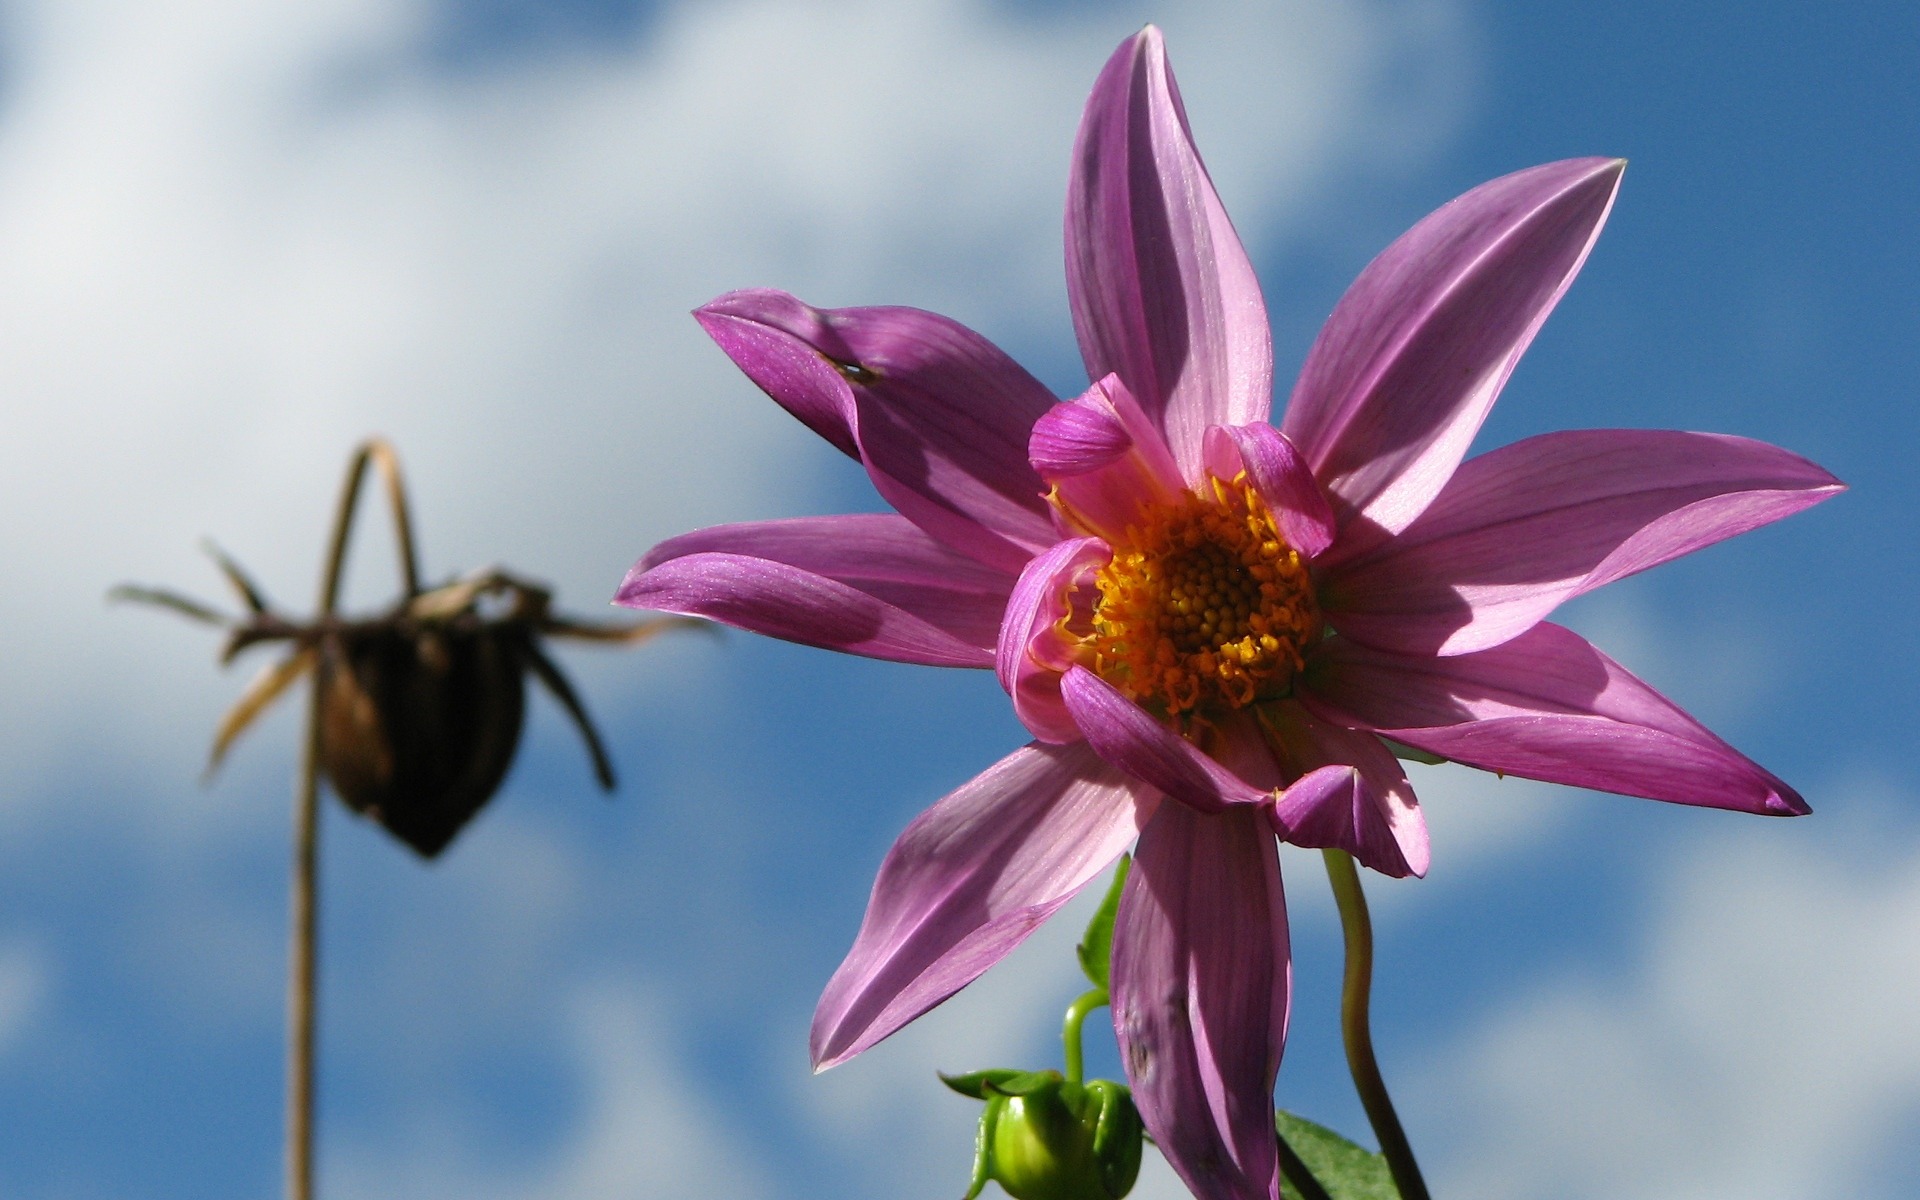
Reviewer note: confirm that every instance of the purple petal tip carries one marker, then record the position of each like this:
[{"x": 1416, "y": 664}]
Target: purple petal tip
[{"x": 1788, "y": 804}]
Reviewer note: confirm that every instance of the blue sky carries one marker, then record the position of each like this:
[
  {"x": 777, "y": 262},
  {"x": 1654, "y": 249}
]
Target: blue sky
[{"x": 238, "y": 240}]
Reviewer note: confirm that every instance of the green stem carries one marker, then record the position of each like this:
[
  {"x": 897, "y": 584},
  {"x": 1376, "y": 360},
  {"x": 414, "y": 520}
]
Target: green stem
[
  {"x": 1070, "y": 1032},
  {"x": 1354, "y": 995}
]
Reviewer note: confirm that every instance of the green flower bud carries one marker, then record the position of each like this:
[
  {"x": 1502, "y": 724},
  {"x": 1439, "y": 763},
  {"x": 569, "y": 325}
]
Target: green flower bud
[{"x": 1045, "y": 1138}]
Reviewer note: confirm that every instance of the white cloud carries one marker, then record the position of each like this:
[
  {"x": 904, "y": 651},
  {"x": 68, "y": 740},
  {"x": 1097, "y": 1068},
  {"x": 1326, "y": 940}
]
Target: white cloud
[
  {"x": 649, "y": 1129},
  {"x": 1761, "y": 1045},
  {"x": 241, "y": 238}
]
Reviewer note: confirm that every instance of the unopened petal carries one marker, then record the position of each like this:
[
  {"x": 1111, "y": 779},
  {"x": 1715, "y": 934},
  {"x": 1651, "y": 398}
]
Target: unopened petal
[
  {"x": 1280, "y": 474},
  {"x": 788, "y": 349},
  {"x": 871, "y": 584},
  {"x": 1105, "y": 462},
  {"x": 1413, "y": 356},
  {"x": 1130, "y": 738},
  {"x": 1161, "y": 290},
  {"x": 1520, "y": 529},
  {"x": 1202, "y": 981},
  {"x": 1351, "y": 793},
  {"x": 1033, "y": 648},
  {"x": 1545, "y": 705},
  {"x": 968, "y": 880},
  {"x": 938, "y": 414}
]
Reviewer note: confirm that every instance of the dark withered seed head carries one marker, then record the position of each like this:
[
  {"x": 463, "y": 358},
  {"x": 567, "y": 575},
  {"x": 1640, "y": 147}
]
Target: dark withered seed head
[{"x": 419, "y": 710}]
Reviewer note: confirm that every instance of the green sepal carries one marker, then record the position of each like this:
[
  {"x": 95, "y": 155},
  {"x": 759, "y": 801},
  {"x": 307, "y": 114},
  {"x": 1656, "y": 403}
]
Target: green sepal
[
  {"x": 1096, "y": 948},
  {"x": 976, "y": 1083},
  {"x": 1026, "y": 1083},
  {"x": 1116, "y": 1136},
  {"x": 1412, "y": 753},
  {"x": 1345, "y": 1171},
  {"x": 983, "y": 1145}
]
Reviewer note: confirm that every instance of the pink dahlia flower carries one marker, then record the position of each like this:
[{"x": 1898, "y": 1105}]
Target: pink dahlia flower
[{"x": 1216, "y": 630}]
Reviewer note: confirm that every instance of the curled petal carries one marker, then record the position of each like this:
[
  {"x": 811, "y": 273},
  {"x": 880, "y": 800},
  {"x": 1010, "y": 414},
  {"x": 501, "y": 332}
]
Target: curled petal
[
  {"x": 1162, "y": 292},
  {"x": 870, "y": 584},
  {"x": 1407, "y": 366},
  {"x": 1076, "y": 437},
  {"x": 1279, "y": 473},
  {"x": 1351, "y": 794},
  {"x": 789, "y": 350},
  {"x": 1520, "y": 529},
  {"x": 938, "y": 414},
  {"x": 968, "y": 880},
  {"x": 1201, "y": 986},
  {"x": 1130, "y": 738},
  {"x": 1104, "y": 460},
  {"x": 1545, "y": 705},
  {"x": 1035, "y": 646}
]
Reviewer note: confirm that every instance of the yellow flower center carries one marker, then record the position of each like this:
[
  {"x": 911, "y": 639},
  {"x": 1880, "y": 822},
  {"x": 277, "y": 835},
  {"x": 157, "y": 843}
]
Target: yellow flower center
[{"x": 1203, "y": 605}]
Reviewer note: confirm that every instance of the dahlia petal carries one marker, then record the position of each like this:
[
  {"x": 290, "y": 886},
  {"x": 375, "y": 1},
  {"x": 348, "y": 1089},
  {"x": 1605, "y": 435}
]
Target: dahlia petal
[
  {"x": 1407, "y": 366},
  {"x": 1104, "y": 460},
  {"x": 870, "y": 584},
  {"x": 1520, "y": 529},
  {"x": 1075, "y": 438},
  {"x": 789, "y": 350},
  {"x": 938, "y": 414},
  {"x": 1280, "y": 474},
  {"x": 1201, "y": 987},
  {"x": 1161, "y": 290},
  {"x": 1371, "y": 813},
  {"x": 880, "y": 554},
  {"x": 1130, "y": 738},
  {"x": 1546, "y": 705},
  {"x": 968, "y": 880},
  {"x": 1032, "y": 651}
]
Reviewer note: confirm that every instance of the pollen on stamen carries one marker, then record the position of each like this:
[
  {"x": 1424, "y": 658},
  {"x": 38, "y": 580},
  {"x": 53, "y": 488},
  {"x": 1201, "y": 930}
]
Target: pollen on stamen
[{"x": 1204, "y": 604}]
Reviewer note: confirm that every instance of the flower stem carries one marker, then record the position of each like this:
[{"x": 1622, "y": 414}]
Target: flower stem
[
  {"x": 1354, "y": 996},
  {"x": 1070, "y": 1032},
  {"x": 301, "y": 989},
  {"x": 303, "y": 957}
]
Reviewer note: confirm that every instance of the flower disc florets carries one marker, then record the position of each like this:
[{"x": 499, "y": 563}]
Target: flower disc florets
[{"x": 1204, "y": 604}]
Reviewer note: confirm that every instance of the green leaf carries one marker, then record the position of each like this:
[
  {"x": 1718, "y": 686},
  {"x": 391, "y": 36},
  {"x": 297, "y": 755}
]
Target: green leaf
[
  {"x": 1096, "y": 948},
  {"x": 1345, "y": 1170}
]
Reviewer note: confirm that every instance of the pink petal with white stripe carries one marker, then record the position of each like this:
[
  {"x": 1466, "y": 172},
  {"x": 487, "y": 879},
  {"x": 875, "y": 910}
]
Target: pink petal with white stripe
[
  {"x": 968, "y": 880},
  {"x": 1520, "y": 529},
  {"x": 1545, "y": 705},
  {"x": 1161, "y": 290},
  {"x": 939, "y": 415},
  {"x": 1405, "y": 369},
  {"x": 1201, "y": 987},
  {"x": 871, "y": 584}
]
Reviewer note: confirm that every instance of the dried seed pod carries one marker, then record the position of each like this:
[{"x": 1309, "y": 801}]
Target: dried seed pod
[
  {"x": 420, "y": 710},
  {"x": 418, "y": 725}
]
